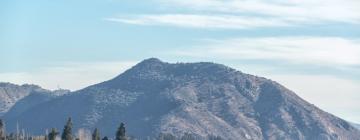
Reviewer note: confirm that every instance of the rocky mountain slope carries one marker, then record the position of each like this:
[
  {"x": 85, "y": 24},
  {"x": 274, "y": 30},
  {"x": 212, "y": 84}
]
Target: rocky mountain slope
[
  {"x": 27, "y": 95},
  {"x": 33, "y": 99},
  {"x": 200, "y": 98},
  {"x": 11, "y": 93}
]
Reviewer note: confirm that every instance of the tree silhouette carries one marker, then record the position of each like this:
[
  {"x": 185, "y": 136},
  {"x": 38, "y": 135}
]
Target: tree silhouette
[
  {"x": 2, "y": 130},
  {"x": 96, "y": 134},
  {"x": 105, "y": 138},
  {"x": 121, "y": 133},
  {"x": 67, "y": 132},
  {"x": 53, "y": 133}
]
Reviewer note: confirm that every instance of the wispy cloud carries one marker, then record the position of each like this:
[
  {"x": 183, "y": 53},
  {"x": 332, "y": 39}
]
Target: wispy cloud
[
  {"x": 331, "y": 10},
  {"x": 203, "y": 21},
  {"x": 329, "y": 51},
  {"x": 242, "y": 14}
]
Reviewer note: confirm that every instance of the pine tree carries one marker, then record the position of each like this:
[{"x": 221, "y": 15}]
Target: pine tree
[
  {"x": 105, "y": 138},
  {"x": 53, "y": 133},
  {"x": 2, "y": 130},
  {"x": 67, "y": 132},
  {"x": 96, "y": 134},
  {"x": 120, "y": 134}
]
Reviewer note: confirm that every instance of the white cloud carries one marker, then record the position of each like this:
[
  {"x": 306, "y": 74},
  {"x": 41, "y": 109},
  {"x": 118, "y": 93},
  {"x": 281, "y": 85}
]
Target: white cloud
[
  {"x": 241, "y": 14},
  {"x": 327, "y": 51},
  {"x": 202, "y": 21},
  {"x": 72, "y": 76},
  {"x": 331, "y": 10}
]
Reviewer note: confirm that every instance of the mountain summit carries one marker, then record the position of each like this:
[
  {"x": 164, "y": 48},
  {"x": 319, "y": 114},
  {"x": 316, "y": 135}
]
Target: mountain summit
[{"x": 200, "y": 98}]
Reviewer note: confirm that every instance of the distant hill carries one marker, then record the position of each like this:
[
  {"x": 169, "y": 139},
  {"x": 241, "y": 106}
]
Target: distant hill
[
  {"x": 10, "y": 94},
  {"x": 200, "y": 98},
  {"x": 33, "y": 99}
]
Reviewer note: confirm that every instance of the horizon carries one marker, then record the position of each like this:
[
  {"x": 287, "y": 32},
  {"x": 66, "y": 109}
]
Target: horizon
[{"x": 312, "y": 48}]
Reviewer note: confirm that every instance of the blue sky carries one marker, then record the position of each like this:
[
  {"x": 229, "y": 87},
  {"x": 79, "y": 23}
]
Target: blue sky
[{"x": 311, "y": 47}]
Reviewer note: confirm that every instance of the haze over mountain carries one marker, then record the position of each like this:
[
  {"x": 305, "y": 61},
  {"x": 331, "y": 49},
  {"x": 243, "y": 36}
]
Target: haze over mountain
[{"x": 201, "y": 98}]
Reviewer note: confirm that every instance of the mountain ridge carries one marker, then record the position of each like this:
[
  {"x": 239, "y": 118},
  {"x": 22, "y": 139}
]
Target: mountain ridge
[
  {"x": 202, "y": 98},
  {"x": 11, "y": 94}
]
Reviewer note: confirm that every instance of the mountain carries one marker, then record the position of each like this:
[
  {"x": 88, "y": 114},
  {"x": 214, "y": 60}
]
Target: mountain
[
  {"x": 11, "y": 93},
  {"x": 33, "y": 99},
  {"x": 200, "y": 98},
  {"x": 23, "y": 96}
]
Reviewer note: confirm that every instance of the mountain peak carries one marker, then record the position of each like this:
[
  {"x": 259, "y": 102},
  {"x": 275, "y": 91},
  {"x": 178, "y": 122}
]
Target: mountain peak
[
  {"x": 151, "y": 60},
  {"x": 150, "y": 64}
]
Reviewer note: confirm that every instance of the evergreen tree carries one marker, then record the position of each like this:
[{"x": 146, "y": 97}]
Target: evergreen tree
[
  {"x": 2, "y": 130},
  {"x": 120, "y": 134},
  {"x": 105, "y": 138},
  {"x": 53, "y": 133},
  {"x": 96, "y": 134},
  {"x": 67, "y": 132}
]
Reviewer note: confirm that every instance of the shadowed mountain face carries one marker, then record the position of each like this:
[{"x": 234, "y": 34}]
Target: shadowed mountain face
[{"x": 199, "y": 98}]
